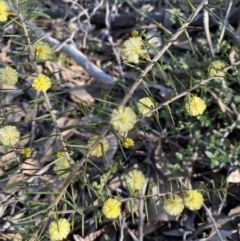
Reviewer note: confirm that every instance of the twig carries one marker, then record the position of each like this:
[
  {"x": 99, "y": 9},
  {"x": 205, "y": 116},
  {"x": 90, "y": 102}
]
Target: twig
[
  {"x": 223, "y": 201},
  {"x": 201, "y": 229},
  {"x": 213, "y": 221},
  {"x": 141, "y": 13},
  {"x": 69, "y": 39},
  {"x": 206, "y": 28},
  {"x": 225, "y": 22},
  {"x": 141, "y": 205},
  {"x": 110, "y": 40},
  {"x": 96, "y": 8},
  {"x": 122, "y": 228},
  {"x": 132, "y": 234},
  {"x": 230, "y": 31},
  {"x": 80, "y": 23}
]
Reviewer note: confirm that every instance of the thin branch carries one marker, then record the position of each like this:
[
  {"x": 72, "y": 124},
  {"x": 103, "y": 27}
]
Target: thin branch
[
  {"x": 225, "y": 22},
  {"x": 206, "y": 28},
  {"x": 123, "y": 223},
  {"x": 110, "y": 40},
  {"x": 132, "y": 234},
  {"x": 141, "y": 205},
  {"x": 213, "y": 221}
]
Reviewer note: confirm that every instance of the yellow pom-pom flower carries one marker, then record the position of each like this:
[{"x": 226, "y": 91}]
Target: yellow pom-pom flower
[
  {"x": 41, "y": 83},
  {"x": 25, "y": 151},
  {"x": 4, "y": 11},
  {"x": 42, "y": 51},
  {"x": 62, "y": 166},
  {"x": 9, "y": 135},
  {"x": 135, "y": 180},
  {"x": 123, "y": 119},
  {"x": 59, "y": 229},
  {"x": 134, "y": 34},
  {"x": 193, "y": 200},
  {"x": 60, "y": 154},
  {"x": 98, "y": 152},
  {"x": 8, "y": 75},
  {"x": 144, "y": 105},
  {"x": 111, "y": 208},
  {"x": 173, "y": 205},
  {"x": 133, "y": 49},
  {"x": 194, "y": 105},
  {"x": 215, "y": 69},
  {"x": 128, "y": 142}
]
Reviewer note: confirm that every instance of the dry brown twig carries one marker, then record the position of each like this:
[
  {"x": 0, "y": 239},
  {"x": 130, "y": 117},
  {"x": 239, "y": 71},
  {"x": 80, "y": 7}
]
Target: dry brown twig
[
  {"x": 206, "y": 28},
  {"x": 122, "y": 225},
  {"x": 225, "y": 22},
  {"x": 110, "y": 40},
  {"x": 141, "y": 205},
  {"x": 80, "y": 24}
]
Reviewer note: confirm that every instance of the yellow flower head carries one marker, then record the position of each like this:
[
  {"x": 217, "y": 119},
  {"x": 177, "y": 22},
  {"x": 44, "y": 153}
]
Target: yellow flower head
[
  {"x": 61, "y": 166},
  {"x": 42, "y": 51},
  {"x": 123, "y": 119},
  {"x": 194, "y": 105},
  {"x": 135, "y": 180},
  {"x": 8, "y": 76},
  {"x": 173, "y": 205},
  {"x": 4, "y": 11},
  {"x": 215, "y": 67},
  {"x": 111, "y": 208},
  {"x": 134, "y": 34},
  {"x": 41, "y": 83},
  {"x": 25, "y": 151},
  {"x": 133, "y": 49},
  {"x": 128, "y": 142},
  {"x": 60, "y": 154},
  {"x": 193, "y": 200},
  {"x": 98, "y": 150},
  {"x": 59, "y": 229},
  {"x": 144, "y": 105},
  {"x": 9, "y": 135}
]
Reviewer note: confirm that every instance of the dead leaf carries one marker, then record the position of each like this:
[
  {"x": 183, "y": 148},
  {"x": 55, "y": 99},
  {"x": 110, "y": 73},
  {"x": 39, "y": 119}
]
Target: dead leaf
[
  {"x": 4, "y": 59},
  {"x": 79, "y": 94},
  {"x": 234, "y": 177}
]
